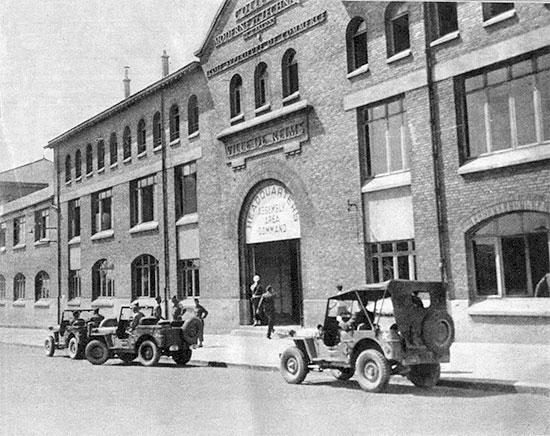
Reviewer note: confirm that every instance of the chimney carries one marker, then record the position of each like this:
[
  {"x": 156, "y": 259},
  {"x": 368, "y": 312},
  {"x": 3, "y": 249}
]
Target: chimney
[
  {"x": 126, "y": 82},
  {"x": 165, "y": 69}
]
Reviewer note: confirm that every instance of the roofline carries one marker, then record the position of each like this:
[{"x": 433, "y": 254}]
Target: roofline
[
  {"x": 213, "y": 23},
  {"x": 121, "y": 105},
  {"x": 26, "y": 164}
]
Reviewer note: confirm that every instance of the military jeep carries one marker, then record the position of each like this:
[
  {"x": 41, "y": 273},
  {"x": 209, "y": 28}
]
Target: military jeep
[
  {"x": 375, "y": 331},
  {"x": 71, "y": 333},
  {"x": 147, "y": 342}
]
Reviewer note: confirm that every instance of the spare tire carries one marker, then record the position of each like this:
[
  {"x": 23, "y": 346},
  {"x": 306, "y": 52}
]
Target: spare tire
[
  {"x": 438, "y": 331},
  {"x": 191, "y": 330}
]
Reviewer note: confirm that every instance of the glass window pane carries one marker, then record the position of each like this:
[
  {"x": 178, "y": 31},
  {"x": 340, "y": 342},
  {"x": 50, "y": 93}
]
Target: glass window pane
[
  {"x": 510, "y": 224},
  {"x": 403, "y": 265},
  {"x": 402, "y": 246},
  {"x": 447, "y": 18},
  {"x": 522, "y": 68},
  {"x": 485, "y": 266},
  {"x": 543, "y": 62},
  {"x": 515, "y": 270},
  {"x": 538, "y": 256},
  {"x": 499, "y": 113},
  {"x": 395, "y": 107},
  {"x": 147, "y": 203},
  {"x": 401, "y": 33},
  {"x": 377, "y": 146},
  {"x": 377, "y": 112},
  {"x": 394, "y": 138},
  {"x": 543, "y": 85},
  {"x": 497, "y": 76},
  {"x": 387, "y": 268},
  {"x": 522, "y": 90},
  {"x": 387, "y": 247},
  {"x": 473, "y": 83},
  {"x": 475, "y": 103},
  {"x": 535, "y": 222}
]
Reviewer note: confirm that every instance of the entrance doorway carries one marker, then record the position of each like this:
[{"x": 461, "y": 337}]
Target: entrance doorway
[{"x": 278, "y": 264}]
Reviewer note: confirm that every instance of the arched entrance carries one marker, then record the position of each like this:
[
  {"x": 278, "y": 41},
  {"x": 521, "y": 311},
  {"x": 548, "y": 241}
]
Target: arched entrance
[{"x": 270, "y": 247}]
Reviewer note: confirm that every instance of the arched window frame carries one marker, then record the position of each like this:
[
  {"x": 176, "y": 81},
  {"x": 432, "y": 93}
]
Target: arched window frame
[
  {"x": 356, "y": 43},
  {"x": 100, "y": 155},
  {"x": 42, "y": 286},
  {"x": 174, "y": 118},
  {"x": 141, "y": 137},
  {"x": 19, "y": 287},
  {"x": 89, "y": 160},
  {"x": 397, "y": 28},
  {"x": 127, "y": 144},
  {"x": 261, "y": 85},
  {"x": 192, "y": 115},
  {"x": 157, "y": 131},
  {"x": 103, "y": 283},
  {"x": 289, "y": 68},
  {"x": 68, "y": 168},
  {"x": 145, "y": 277},
  {"x": 113, "y": 149},
  {"x": 235, "y": 95},
  {"x": 78, "y": 164}
]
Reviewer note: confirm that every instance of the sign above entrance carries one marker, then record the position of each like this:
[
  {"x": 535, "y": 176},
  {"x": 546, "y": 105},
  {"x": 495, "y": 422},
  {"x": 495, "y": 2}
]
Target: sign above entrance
[{"x": 272, "y": 216}]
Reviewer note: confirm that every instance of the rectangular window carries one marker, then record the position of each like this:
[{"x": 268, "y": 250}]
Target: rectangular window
[
  {"x": 2, "y": 288},
  {"x": 384, "y": 136},
  {"x": 74, "y": 218},
  {"x": 3, "y": 232},
  {"x": 443, "y": 19},
  {"x": 142, "y": 200},
  {"x": 74, "y": 284},
  {"x": 491, "y": 10},
  {"x": 19, "y": 230},
  {"x": 392, "y": 260},
  {"x": 186, "y": 189},
  {"x": 41, "y": 220},
  {"x": 188, "y": 278},
  {"x": 102, "y": 211},
  {"x": 505, "y": 107}
]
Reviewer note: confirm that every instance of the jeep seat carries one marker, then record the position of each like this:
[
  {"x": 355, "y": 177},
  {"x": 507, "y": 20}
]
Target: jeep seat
[
  {"x": 108, "y": 322},
  {"x": 148, "y": 320}
]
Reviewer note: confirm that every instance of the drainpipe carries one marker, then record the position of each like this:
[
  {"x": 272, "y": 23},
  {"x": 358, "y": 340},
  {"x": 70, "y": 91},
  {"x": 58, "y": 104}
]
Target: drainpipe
[
  {"x": 165, "y": 235},
  {"x": 436, "y": 146},
  {"x": 58, "y": 209}
]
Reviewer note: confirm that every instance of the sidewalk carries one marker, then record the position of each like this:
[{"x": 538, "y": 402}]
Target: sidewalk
[{"x": 501, "y": 367}]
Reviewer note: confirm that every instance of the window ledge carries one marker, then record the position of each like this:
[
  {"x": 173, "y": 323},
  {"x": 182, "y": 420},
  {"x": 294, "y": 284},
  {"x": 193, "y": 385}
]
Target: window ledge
[
  {"x": 532, "y": 307},
  {"x": 358, "y": 71},
  {"x": 499, "y": 18},
  {"x": 142, "y": 155},
  {"x": 19, "y": 303},
  {"x": 101, "y": 170},
  {"x": 78, "y": 179},
  {"x": 262, "y": 109},
  {"x": 236, "y": 119},
  {"x": 19, "y": 246},
  {"x": 103, "y": 302},
  {"x": 506, "y": 158},
  {"x": 127, "y": 160},
  {"x": 74, "y": 302},
  {"x": 75, "y": 240},
  {"x": 114, "y": 165},
  {"x": 291, "y": 97},
  {"x": 445, "y": 38},
  {"x": 145, "y": 227},
  {"x": 388, "y": 181},
  {"x": 42, "y": 303},
  {"x": 157, "y": 148},
  {"x": 68, "y": 182},
  {"x": 104, "y": 234},
  {"x": 188, "y": 219},
  {"x": 195, "y": 134},
  {"x": 2, "y": 249},
  {"x": 175, "y": 142},
  {"x": 40, "y": 242},
  {"x": 88, "y": 175},
  {"x": 401, "y": 55}
]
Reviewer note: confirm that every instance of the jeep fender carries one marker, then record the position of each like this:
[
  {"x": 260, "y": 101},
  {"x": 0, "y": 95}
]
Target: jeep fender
[
  {"x": 365, "y": 344},
  {"x": 145, "y": 338},
  {"x": 301, "y": 345}
]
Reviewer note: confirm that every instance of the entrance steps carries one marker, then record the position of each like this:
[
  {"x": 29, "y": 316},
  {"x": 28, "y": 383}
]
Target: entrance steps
[{"x": 281, "y": 331}]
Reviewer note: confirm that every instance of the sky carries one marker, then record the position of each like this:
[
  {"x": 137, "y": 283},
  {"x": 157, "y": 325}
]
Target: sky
[{"x": 62, "y": 61}]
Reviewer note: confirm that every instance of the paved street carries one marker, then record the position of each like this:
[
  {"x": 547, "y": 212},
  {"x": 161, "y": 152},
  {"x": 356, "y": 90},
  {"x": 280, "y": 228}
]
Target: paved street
[{"x": 47, "y": 396}]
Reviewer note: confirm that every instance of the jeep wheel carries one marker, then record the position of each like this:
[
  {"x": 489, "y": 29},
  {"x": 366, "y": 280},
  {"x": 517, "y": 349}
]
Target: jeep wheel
[
  {"x": 438, "y": 331},
  {"x": 148, "y": 353},
  {"x": 49, "y": 346},
  {"x": 75, "y": 352},
  {"x": 293, "y": 365},
  {"x": 97, "y": 352},
  {"x": 372, "y": 370},
  {"x": 191, "y": 329},
  {"x": 127, "y": 358},
  {"x": 342, "y": 374},
  {"x": 425, "y": 375},
  {"x": 181, "y": 357}
]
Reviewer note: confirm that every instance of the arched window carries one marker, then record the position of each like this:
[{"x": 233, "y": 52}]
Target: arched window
[
  {"x": 103, "y": 282},
  {"x": 100, "y": 154},
  {"x": 510, "y": 254},
  {"x": 145, "y": 277},
  {"x": 77, "y": 164},
  {"x": 397, "y": 28},
  {"x": 2, "y": 287},
  {"x": 141, "y": 137},
  {"x": 126, "y": 143},
  {"x": 192, "y": 115},
  {"x": 260, "y": 84},
  {"x": 356, "y": 44},
  {"x": 19, "y": 287},
  {"x": 157, "y": 131},
  {"x": 42, "y": 285},
  {"x": 113, "y": 149},
  {"x": 290, "y": 73},
  {"x": 68, "y": 168},
  {"x": 174, "y": 123},
  {"x": 89, "y": 159},
  {"x": 235, "y": 95}
]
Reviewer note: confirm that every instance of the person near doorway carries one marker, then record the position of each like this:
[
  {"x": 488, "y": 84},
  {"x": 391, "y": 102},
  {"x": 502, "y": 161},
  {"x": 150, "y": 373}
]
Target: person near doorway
[
  {"x": 267, "y": 305},
  {"x": 256, "y": 290},
  {"x": 157, "y": 311},
  {"x": 177, "y": 309},
  {"x": 201, "y": 313}
]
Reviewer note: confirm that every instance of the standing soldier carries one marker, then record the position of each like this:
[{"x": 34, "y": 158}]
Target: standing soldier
[
  {"x": 268, "y": 306},
  {"x": 200, "y": 313}
]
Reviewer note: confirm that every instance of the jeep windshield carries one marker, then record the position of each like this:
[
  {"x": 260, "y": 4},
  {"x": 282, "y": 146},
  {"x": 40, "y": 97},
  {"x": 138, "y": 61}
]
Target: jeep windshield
[{"x": 83, "y": 314}]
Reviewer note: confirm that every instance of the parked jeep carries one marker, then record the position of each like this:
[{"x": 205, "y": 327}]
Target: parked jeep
[
  {"x": 375, "y": 331},
  {"x": 71, "y": 333},
  {"x": 149, "y": 340}
]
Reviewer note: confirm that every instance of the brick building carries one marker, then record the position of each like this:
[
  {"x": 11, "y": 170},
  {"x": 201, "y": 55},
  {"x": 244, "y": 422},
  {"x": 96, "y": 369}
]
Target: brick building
[{"x": 318, "y": 143}]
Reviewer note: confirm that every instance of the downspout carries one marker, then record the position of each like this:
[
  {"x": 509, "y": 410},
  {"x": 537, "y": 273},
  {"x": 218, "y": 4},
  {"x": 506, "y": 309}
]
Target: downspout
[
  {"x": 58, "y": 209},
  {"x": 166, "y": 239},
  {"x": 436, "y": 146}
]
